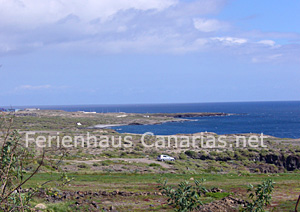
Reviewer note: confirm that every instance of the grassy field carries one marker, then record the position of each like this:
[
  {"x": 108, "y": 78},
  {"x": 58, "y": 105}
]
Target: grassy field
[{"x": 287, "y": 188}]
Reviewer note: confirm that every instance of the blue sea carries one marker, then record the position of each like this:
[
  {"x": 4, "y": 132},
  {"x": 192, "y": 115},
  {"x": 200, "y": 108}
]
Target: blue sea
[{"x": 280, "y": 119}]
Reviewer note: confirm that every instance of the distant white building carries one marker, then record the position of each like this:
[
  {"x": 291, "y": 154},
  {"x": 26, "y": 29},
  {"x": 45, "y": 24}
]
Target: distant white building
[
  {"x": 89, "y": 112},
  {"x": 31, "y": 109}
]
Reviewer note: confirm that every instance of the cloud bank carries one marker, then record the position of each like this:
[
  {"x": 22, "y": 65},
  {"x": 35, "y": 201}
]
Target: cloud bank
[{"x": 139, "y": 26}]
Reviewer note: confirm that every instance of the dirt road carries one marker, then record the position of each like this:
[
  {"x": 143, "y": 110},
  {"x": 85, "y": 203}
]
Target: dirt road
[{"x": 134, "y": 160}]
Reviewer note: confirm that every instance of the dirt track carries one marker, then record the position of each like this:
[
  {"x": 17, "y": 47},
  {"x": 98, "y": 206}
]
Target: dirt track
[{"x": 135, "y": 160}]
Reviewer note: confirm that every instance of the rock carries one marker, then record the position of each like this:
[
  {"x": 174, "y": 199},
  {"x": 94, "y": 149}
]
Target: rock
[
  {"x": 81, "y": 194},
  {"x": 104, "y": 193},
  {"x": 227, "y": 204},
  {"x": 40, "y": 206},
  {"x": 78, "y": 202},
  {"x": 106, "y": 202},
  {"x": 216, "y": 190},
  {"x": 291, "y": 162},
  {"x": 93, "y": 203}
]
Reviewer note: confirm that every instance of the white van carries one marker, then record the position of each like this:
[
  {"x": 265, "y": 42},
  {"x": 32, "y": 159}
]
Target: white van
[{"x": 165, "y": 158}]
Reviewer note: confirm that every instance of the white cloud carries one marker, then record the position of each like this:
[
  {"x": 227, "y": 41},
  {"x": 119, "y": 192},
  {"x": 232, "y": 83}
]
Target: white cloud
[
  {"x": 101, "y": 26},
  {"x": 266, "y": 58},
  {"x": 230, "y": 40},
  {"x": 267, "y": 42},
  {"x": 33, "y": 13},
  {"x": 209, "y": 25},
  {"x": 122, "y": 26},
  {"x": 33, "y": 87},
  {"x": 26, "y": 88}
]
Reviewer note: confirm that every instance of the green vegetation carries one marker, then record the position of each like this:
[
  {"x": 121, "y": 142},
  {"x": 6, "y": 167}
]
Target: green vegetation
[
  {"x": 14, "y": 156},
  {"x": 135, "y": 182},
  {"x": 260, "y": 196},
  {"x": 154, "y": 165},
  {"x": 185, "y": 197},
  {"x": 15, "y": 159},
  {"x": 217, "y": 195}
]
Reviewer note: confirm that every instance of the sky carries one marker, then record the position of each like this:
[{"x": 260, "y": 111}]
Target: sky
[{"x": 67, "y": 52}]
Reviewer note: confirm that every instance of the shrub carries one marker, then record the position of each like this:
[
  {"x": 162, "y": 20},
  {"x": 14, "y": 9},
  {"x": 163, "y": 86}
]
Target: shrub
[
  {"x": 239, "y": 156},
  {"x": 182, "y": 156},
  {"x": 106, "y": 163},
  {"x": 214, "y": 153},
  {"x": 138, "y": 148},
  {"x": 154, "y": 165},
  {"x": 185, "y": 197},
  {"x": 260, "y": 196},
  {"x": 191, "y": 154},
  {"x": 123, "y": 154},
  {"x": 82, "y": 166},
  {"x": 15, "y": 156},
  {"x": 170, "y": 162},
  {"x": 230, "y": 153}
]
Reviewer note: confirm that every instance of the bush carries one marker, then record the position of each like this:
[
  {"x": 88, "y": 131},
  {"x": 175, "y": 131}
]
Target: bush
[
  {"x": 154, "y": 165},
  {"x": 82, "y": 166},
  {"x": 106, "y": 163},
  {"x": 214, "y": 153},
  {"x": 15, "y": 156},
  {"x": 260, "y": 196},
  {"x": 185, "y": 197},
  {"x": 123, "y": 154},
  {"x": 191, "y": 154},
  {"x": 238, "y": 156},
  {"x": 170, "y": 162},
  {"x": 182, "y": 156}
]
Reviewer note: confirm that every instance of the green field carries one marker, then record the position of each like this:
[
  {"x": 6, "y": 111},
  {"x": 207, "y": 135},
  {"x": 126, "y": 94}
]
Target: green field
[{"x": 286, "y": 191}]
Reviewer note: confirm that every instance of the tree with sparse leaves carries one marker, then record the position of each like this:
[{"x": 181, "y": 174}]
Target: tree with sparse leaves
[
  {"x": 14, "y": 157},
  {"x": 260, "y": 196},
  {"x": 185, "y": 197}
]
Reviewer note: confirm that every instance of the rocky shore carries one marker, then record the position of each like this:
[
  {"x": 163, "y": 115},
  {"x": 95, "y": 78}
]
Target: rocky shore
[{"x": 151, "y": 119}]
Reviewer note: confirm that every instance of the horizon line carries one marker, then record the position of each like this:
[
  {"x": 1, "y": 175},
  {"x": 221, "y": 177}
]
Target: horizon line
[{"x": 172, "y": 103}]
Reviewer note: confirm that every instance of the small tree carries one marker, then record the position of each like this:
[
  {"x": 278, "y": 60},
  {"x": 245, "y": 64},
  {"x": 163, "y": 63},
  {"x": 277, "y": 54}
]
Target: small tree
[
  {"x": 185, "y": 197},
  {"x": 260, "y": 196},
  {"x": 14, "y": 157}
]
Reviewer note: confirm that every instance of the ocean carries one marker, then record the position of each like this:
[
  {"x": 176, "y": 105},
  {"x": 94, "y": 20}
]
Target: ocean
[{"x": 279, "y": 119}]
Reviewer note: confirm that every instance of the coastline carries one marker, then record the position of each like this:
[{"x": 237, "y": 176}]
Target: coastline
[{"x": 178, "y": 117}]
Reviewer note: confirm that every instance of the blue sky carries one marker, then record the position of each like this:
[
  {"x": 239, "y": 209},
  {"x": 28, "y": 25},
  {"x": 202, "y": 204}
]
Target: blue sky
[{"x": 64, "y": 52}]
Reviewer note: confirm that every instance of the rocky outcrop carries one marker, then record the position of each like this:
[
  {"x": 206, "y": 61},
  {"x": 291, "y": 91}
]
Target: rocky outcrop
[
  {"x": 227, "y": 204},
  {"x": 290, "y": 162},
  {"x": 265, "y": 168}
]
